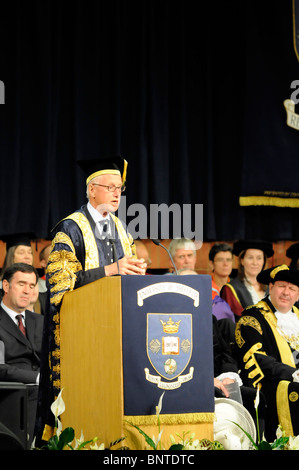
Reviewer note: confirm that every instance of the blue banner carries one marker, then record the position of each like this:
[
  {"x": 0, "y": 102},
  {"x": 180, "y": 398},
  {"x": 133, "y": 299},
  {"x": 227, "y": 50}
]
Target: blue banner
[{"x": 167, "y": 344}]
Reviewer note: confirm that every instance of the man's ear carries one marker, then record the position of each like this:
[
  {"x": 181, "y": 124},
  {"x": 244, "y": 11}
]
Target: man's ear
[
  {"x": 270, "y": 286},
  {"x": 5, "y": 285}
]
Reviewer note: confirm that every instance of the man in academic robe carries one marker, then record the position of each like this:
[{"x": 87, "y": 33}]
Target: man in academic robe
[
  {"x": 267, "y": 348},
  {"x": 21, "y": 337},
  {"x": 89, "y": 244}
]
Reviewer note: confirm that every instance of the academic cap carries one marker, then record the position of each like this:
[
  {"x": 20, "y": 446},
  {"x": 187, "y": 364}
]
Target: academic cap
[
  {"x": 279, "y": 273},
  {"x": 16, "y": 239},
  {"x": 243, "y": 245},
  {"x": 106, "y": 166}
]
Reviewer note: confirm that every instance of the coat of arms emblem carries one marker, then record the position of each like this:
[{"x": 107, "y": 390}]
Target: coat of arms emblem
[{"x": 169, "y": 348}]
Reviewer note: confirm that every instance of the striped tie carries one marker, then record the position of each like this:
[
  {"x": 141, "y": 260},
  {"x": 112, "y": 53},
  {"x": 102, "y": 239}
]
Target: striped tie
[{"x": 21, "y": 324}]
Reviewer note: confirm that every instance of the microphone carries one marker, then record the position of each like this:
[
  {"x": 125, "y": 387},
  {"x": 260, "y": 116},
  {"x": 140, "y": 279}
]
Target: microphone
[
  {"x": 115, "y": 257},
  {"x": 156, "y": 242}
]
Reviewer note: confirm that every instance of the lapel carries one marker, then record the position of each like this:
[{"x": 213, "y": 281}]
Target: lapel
[{"x": 30, "y": 327}]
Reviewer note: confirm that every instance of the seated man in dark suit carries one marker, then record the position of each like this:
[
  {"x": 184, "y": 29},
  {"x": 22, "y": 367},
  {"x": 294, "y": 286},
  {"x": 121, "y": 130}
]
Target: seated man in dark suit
[{"x": 21, "y": 333}]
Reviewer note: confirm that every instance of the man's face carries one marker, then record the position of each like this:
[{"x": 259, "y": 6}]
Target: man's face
[
  {"x": 101, "y": 198},
  {"x": 184, "y": 259},
  {"x": 223, "y": 263},
  {"x": 19, "y": 291},
  {"x": 283, "y": 295}
]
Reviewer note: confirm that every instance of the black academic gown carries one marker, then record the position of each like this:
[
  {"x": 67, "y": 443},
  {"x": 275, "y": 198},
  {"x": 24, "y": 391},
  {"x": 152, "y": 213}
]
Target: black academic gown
[
  {"x": 224, "y": 361},
  {"x": 268, "y": 360},
  {"x": 77, "y": 258}
]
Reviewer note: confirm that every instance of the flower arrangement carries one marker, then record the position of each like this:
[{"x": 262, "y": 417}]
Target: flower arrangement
[
  {"x": 282, "y": 442},
  {"x": 185, "y": 442},
  {"x": 65, "y": 439}
]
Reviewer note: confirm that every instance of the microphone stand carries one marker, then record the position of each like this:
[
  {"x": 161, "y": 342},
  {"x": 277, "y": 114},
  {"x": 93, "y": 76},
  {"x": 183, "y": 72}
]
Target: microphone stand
[{"x": 158, "y": 243}]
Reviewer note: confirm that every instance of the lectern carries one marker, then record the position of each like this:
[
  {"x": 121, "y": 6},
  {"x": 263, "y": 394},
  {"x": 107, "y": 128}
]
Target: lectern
[{"x": 126, "y": 342}]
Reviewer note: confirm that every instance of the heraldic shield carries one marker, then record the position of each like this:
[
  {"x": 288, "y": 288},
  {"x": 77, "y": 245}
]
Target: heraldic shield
[{"x": 169, "y": 348}]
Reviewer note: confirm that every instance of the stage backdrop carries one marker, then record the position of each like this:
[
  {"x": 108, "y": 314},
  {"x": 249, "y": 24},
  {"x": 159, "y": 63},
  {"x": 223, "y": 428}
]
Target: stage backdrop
[{"x": 192, "y": 95}]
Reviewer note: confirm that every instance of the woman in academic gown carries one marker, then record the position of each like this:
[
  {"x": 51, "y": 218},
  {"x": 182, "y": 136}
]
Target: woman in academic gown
[{"x": 244, "y": 289}]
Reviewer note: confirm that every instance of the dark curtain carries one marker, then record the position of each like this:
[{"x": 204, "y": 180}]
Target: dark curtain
[{"x": 177, "y": 88}]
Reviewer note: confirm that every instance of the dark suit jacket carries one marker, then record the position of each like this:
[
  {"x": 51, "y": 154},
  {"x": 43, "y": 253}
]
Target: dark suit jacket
[{"x": 22, "y": 355}]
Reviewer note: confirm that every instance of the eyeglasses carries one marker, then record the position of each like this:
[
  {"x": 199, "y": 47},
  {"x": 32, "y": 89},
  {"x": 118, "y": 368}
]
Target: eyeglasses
[{"x": 112, "y": 188}]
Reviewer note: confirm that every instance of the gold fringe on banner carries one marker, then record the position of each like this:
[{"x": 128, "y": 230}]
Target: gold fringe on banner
[
  {"x": 188, "y": 418},
  {"x": 268, "y": 201}
]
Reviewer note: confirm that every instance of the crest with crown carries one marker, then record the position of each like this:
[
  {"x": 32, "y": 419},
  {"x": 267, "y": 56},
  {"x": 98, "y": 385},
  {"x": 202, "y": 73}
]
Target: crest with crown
[{"x": 170, "y": 326}]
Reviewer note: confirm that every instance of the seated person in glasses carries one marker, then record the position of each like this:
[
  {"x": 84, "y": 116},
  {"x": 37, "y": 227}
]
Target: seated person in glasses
[{"x": 89, "y": 244}]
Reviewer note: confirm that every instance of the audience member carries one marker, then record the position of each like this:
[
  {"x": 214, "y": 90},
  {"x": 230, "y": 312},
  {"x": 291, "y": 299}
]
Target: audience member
[
  {"x": 245, "y": 290},
  {"x": 19, "y": 250},
  {"x": 221, "y": 261},
  {"x": 267, "y": 348},
  {"x": 293, "y": 253},
  {"x": 21, "y": 348}
]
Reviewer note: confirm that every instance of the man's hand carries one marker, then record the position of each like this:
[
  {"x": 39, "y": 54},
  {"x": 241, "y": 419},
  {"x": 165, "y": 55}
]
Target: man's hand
[
  {"x": 127, "y": 265},
  {"x": 221, "y": 385}
]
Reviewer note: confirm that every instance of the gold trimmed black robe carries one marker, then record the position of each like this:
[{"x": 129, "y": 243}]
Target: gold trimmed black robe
[
  {"x": 77, "y": 258},
  {"x": 267, "y": 359}
]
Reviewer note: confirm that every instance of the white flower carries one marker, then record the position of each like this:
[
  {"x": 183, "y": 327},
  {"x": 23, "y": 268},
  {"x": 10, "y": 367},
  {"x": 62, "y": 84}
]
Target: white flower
[
  {"x": 79, "y": 441},
  {"x": 159, "y": 407},
  {"x": 293, "y": 443},
  {"x": 280, "y": 432},
  {"x": 192, "y": 445},
  {"x": 156, "y": 441},
  {"x": 95, "y": 446},
  {"x": 257, "y": 398},
  {"x": 58, "y": 406}
]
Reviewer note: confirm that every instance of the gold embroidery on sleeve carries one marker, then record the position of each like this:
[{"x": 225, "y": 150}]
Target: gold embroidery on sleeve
[
  {"x": 250, "y": 361},
  {"x": 246, "y": 320}
]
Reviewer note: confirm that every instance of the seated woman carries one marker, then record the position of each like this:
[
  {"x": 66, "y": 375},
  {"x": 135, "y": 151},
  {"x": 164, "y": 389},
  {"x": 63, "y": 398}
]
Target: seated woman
[{"x": 244, "y": 290}]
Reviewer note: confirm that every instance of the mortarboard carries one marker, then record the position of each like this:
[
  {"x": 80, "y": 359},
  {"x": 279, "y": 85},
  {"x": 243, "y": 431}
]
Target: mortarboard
[
  {"x": 106, "y": 166},
  {"x": 242, "y": 245},
  {"x": 17, "y": 239},
  {"x": 293, "y": 251},
  {"x": 279, "y": 273}
]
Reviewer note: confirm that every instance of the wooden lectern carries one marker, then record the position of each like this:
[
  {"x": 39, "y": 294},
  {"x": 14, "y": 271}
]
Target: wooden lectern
[{"x": 92, "y": 372}]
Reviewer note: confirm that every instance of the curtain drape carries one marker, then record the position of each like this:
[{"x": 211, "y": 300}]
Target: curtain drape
[{"x": 190, "y": 94}]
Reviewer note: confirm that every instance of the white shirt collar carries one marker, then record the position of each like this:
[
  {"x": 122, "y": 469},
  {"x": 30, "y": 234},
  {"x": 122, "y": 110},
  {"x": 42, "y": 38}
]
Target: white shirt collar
[
  {"x": 96, "y": 215},
  {"x": 11, "y": 312}
]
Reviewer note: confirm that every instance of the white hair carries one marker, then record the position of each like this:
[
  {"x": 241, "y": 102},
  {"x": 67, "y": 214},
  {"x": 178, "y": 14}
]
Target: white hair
[
  {"x": 96, "y": 179},
  {"x": 181, "y": 243}
]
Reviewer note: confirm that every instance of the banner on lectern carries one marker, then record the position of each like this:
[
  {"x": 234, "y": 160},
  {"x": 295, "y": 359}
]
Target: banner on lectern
[{"x": 167, "y": 344}]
